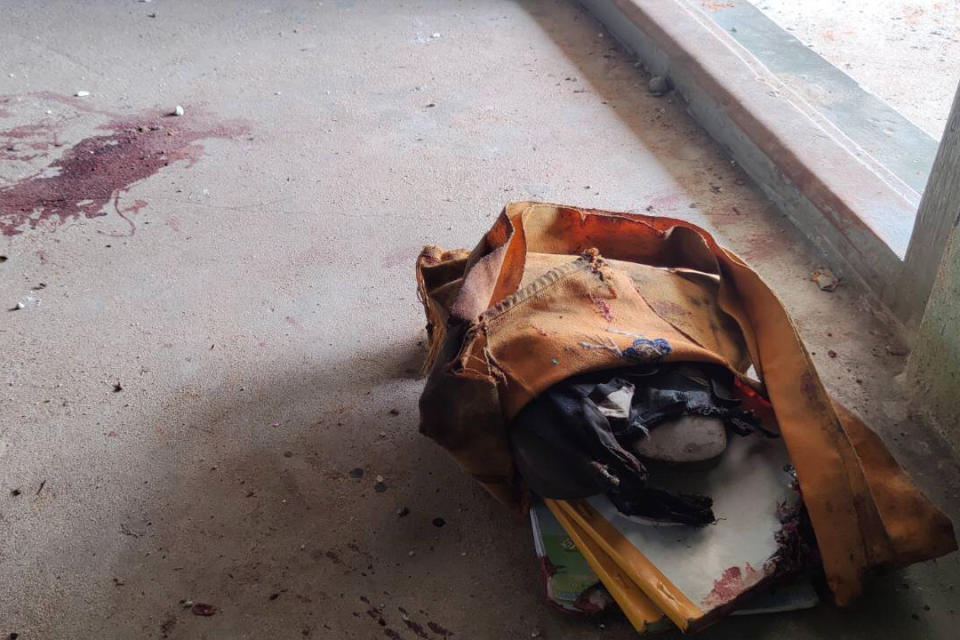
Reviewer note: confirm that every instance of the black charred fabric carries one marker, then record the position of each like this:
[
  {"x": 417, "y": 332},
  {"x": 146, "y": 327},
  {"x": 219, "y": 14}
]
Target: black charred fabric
[{"x": 567, "y": 448}]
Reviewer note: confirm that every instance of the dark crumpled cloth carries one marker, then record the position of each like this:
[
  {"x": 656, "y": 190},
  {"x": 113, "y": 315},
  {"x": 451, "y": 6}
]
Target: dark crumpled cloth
[{"x": 573, "y": 441}]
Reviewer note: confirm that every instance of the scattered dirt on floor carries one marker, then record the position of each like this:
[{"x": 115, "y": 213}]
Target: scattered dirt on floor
[{"x": 425, "y": 630}]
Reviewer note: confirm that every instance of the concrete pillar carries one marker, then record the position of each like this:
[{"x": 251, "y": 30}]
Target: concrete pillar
[
  {"x": 936, "y": 218},
  {"x": 933, "y": 370},
  {"x": 934, "y": 366}
]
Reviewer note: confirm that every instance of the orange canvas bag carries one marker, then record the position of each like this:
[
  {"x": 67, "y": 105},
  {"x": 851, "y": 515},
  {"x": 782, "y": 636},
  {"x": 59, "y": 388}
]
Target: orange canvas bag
[{"x": 553, "y": 291}]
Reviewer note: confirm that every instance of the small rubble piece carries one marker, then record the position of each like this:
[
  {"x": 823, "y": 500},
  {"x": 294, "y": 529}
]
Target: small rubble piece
[
  {"x": 439, "y": 522},
  {"x": 897, "y": 351},
  {"x": 380, "y": 486},
  {"x": 435, "y": 35},
  {"x": 356, "y": 473},
  {"x": 394, "y": 412},
  {"x": 831, "y": 353},
  {"x": 403, "y": 512},
  {"x": 825, "y": 279},
  {"x": 82, "y": 94},
  {"x": 117, "y": 387},
  {"x": 202, "y": 609},
  {"x": 177, "y": 111},
  {"x": 659, "y": 85},
  {"x": 15, "y": 493},
  {"x": 25, "y": 302}
]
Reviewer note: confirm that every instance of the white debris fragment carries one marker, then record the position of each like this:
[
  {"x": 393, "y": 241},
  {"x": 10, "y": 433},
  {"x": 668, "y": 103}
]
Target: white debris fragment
[
  {"x": 27, "y": 301},
  {"x": 435, "y": 34},
  {"x": 178, "y": 110},
  {"x": 82, "y": 94}
]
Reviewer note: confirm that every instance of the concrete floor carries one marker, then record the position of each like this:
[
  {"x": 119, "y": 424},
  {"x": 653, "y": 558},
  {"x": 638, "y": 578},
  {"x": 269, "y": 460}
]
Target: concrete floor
[
  {"x": 907, "y": 52},
  {"x": 249, "y": 286}
]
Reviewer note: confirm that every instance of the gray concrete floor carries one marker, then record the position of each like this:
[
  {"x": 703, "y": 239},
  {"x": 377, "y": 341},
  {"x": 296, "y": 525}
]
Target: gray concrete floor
[{"x": 257, "y": 308}]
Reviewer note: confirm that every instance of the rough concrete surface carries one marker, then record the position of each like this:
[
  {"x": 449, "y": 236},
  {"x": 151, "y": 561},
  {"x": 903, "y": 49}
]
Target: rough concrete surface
[
  {"x": 934, "y": 365},
  {"x": 907, "y": 52},
  {"x": 212, "y": 356}
]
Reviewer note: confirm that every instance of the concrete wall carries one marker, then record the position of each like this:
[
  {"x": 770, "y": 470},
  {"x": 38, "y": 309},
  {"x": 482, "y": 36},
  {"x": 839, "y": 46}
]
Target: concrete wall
[{"x": 934, "y": 368}]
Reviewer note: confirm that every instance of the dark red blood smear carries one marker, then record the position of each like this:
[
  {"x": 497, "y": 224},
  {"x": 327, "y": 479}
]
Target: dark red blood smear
[
  {"x": 728, "y": 586},
  {"x": 95, "y": 171},
  {"x": 733, "y": 582},
  {"x": 23, "y": 132},
  {"x": 135, "y": 207},
  {"x": 201, "y": 609},
  {"x": 603, "y": 307}
]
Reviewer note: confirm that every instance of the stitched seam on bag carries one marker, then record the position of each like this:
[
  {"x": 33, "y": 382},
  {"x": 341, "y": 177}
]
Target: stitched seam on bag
[{"x": 542, "y": 283}]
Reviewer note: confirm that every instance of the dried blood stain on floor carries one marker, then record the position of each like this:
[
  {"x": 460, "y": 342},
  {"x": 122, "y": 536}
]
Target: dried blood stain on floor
[{"x": 90, "y": 176}]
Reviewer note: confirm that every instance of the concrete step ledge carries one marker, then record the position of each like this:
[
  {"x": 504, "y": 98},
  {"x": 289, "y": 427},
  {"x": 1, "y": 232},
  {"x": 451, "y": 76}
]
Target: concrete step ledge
[{"x": 857, "y": 213}]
